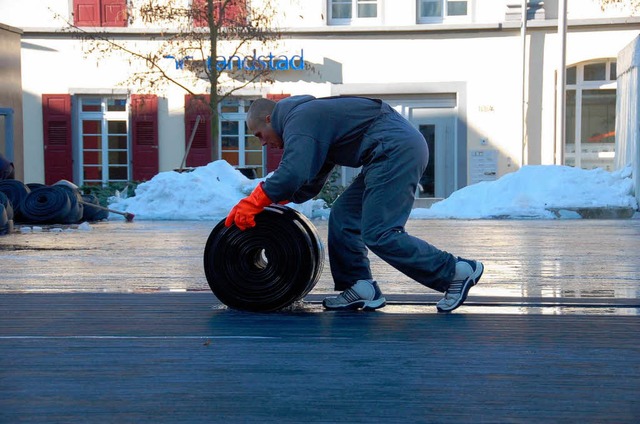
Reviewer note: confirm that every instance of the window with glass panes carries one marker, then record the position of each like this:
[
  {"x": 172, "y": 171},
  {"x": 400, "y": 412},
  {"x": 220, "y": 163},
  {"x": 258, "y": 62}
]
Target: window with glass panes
[
  {"x": 590, "y": 115},
  {"x": 237, "y": 145},
  {"x": 103, "y": 140},
  {"x": 346, "y": 11},
  {"x": 441, "y": 10}
]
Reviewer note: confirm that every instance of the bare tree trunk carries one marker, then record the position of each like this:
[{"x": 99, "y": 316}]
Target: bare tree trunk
[
  {"x": 213, "y": 81},
  {"x": 228, "y": 21}
]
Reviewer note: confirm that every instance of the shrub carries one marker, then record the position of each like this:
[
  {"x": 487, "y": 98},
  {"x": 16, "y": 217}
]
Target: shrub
[
  {"x": 331, "y": 189},
  {"x": 104, "y": 192}
]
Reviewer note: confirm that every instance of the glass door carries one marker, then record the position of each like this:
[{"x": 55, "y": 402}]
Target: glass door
[
  {"x": 427, "y": 184},
  {"x": 590, "y": 115},
  {"x": 438, "y": 180}
]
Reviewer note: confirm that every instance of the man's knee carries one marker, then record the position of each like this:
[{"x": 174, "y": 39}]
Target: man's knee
[
  {"x": 380, "y": 241},
  {"x": 342, "y": 216}
]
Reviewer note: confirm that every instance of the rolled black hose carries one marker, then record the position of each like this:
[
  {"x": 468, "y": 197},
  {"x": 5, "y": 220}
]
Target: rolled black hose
[
  {"x": 90, "y": 213},
  {"x": 16, "y": 191},
  {"x": 267, "y": 267},
  {"x": 33, "y": 186},
  {"x": 76, "y": 208},
  {"x": 4, "y": 221},
  {"x": 4, "y": 201},
  {"x": 46, "y": 205}
]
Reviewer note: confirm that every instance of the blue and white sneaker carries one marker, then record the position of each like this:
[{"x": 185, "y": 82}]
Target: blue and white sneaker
[
  {"x": 364, "y": 294},
  {"x": 467, "y": 275}
]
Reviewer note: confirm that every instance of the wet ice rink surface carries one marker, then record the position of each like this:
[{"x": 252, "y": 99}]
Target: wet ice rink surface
[{"x": 531, "y": 266}]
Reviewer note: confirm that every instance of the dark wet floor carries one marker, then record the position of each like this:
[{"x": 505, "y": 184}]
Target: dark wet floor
[{"x": 180, "y": 357}]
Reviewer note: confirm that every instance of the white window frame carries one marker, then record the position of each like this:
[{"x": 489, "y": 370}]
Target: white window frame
[
  {"x": 355, "y": 20},
  {"x": 609, "y": 83},
  {"x": 444, "y": 18},
  {"x": 104, "y": 115},
  {"x": 241, "y": 118}
]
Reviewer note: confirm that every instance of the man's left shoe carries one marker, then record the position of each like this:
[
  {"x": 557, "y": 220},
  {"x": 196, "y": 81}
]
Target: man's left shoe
[
  {"x": 467, "y": 275},
  {"x": 364, "y": 294}
]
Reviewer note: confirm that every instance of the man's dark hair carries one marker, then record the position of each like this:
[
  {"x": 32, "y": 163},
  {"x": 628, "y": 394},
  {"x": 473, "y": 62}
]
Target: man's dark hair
[{"x": 258, "y": 112}]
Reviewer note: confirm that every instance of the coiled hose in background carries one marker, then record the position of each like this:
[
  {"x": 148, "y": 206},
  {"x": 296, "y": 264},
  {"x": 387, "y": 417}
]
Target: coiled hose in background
[
  {"x": 16, "y": 191},
  {"x": 91, "y": 211},
  {"x": 46, "y": 205},
  {"x": 6, "y": 203},
  {"x": 76, "y": 207},
  {"x": 265, "y": 268},
  {"x": 5, "y": 223}
]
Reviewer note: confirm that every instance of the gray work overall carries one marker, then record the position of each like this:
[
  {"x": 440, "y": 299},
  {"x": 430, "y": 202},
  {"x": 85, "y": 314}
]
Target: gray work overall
[{"x": 374, "y": 209}]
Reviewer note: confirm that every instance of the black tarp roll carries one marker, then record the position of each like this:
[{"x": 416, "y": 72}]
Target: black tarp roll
[
  {"x": 16, "y": 191},
  {"x": 46, "y": 205},
  {"x": 265, "y": 268},
  {"x": 90, "y": 213},
  {"x": 4, "y": 221},
  {"x": 33, "y": 186},
  {"x": 76, "y": 208},
  {"x": 4, "y": 201}
]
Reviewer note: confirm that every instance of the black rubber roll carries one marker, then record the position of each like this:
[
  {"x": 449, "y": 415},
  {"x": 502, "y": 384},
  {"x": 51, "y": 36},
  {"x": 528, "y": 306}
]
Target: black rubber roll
[
  {"x": 76, "y": 208},
  {"x": 4, "y": 201},
  {"x": 91, "y": 213},
  {"x": 4, "y": 221},
  {"x": 16, "y": 191},
  {"x": 267, "y": 267},
  {"x": 33, "y": 186},
  {"x": 46, "y": 205}
]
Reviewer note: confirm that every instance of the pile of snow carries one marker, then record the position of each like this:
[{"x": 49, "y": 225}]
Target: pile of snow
[
  {"x": 534, "y": 191},
  {"x": 206, "y": 193},
  {"x": 209, "y": 192}
]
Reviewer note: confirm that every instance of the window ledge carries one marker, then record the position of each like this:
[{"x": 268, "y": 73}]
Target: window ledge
[
  {"x": 360, "y": 30},
  {"x": 99, "y": 91}
]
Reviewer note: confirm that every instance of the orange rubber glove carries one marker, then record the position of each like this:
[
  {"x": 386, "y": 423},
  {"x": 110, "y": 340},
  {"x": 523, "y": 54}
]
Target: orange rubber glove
[{"x": 243, "y": 214}]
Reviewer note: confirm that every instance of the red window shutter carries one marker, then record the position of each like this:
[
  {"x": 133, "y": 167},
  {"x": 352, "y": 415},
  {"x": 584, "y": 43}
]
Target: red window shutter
[
  {"x": 199, "y": 12},
  {"x": 114, "y": 13},
  {"x": 144, "y": 135},
  {"x": 201, "y": 151},
  {"x": 274, "y": 156},
  {"x": 56, "y": 120},
  {"x": 234, "y": 13},
  {"x": 86, "y": 12}
]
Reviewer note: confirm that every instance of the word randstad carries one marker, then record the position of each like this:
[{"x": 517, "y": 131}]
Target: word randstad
[{"x": 254, "y": 62}]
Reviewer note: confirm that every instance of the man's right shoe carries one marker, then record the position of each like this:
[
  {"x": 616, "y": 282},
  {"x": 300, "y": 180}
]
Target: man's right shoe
[
  {"x": 364, "y": 294},
  {"x": 467, "y": 275}
]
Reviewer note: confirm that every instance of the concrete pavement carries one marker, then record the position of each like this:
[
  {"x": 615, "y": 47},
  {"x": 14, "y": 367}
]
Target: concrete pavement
[{"x": 536, "y": 262}]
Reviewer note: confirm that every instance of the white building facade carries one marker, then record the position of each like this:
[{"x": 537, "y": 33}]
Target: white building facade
[{"x": 481, "y": 88}]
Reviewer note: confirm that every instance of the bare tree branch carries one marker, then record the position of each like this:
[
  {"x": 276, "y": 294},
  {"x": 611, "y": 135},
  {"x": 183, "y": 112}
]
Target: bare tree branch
[
  {"x": 192, "y": 36},
  {"x": 634, "y": 5}
]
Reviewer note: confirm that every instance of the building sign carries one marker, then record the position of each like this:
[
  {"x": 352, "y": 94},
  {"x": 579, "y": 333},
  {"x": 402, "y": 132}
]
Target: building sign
[
  {"x": 483, "y": 165},
  {"x": 255, "y": 62}
]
